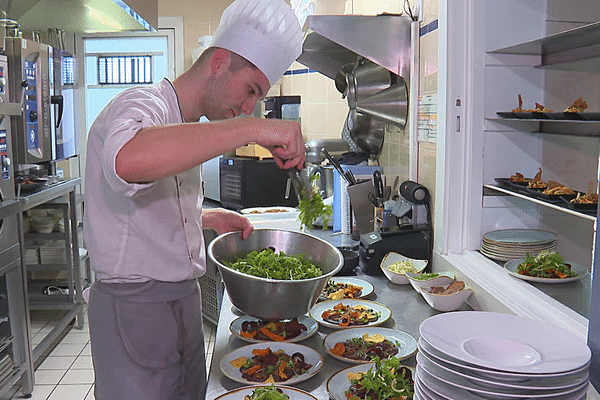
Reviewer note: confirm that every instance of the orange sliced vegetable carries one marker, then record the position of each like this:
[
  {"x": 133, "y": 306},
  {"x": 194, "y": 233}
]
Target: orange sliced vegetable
[
  {"x": 345, "y": 320},
  {"x": 248, "y": 334},
  {"x": 282, "y": 375},
  {"x": 261, "y": 352},
  {"x": 338, "y": 349},
  {"x": 273, "y": 336},
  {"x": 253, "y": 369}
]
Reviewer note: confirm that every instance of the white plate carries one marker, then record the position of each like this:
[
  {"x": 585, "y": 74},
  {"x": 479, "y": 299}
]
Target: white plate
[
  {"x": 511, "y": 267},
  {"x": 367, "y": 288},
  {"x": 519, "y": 236},
  {"x": 310, "y": 357},
  {"x": 454, "y": 378},
  {"x": 318, "y": 309},
  {"x": 565, "y": 379},
  {"x": 263, "y": 212},
  {"x": 239, "y": 393},
  {"x": 505, "y": 342},
  {"x": 311, "y": 328},
  {"x": 339, "y": 382},
  {"x": 407, "y": 345},
  {"x": 453, "y": 390}
]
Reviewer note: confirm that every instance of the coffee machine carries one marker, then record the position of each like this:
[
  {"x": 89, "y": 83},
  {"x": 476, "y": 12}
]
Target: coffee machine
[{"x": 405, "y": 229}]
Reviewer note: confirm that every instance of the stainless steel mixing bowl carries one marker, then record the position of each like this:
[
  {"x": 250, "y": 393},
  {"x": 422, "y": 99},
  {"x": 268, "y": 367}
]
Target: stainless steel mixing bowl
[{"x": 270, "y": 298}]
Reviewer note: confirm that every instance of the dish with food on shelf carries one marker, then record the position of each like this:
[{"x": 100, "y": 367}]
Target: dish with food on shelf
[
  {"x": 350, "y": 313},
  {"x": 361, "y": 345},
  {"x": 271, "y": 362},
  {"x": 574, "y": 112},
  {"x": 255, "y": 330},
  {"x": 388, "y": 377},
  {"x": 584, "y": 201},
  {"x": 548, "y": 267},
  {"x": 345, "y": 288}
]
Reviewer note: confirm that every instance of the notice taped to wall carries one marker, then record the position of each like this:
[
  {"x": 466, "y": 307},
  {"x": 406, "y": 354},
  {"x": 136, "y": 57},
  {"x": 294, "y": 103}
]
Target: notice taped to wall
[{"x": 427, "y": 126}]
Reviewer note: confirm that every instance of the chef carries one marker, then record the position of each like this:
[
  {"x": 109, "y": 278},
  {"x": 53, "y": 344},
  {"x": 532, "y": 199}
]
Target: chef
[{"x": 143, "y": 200}]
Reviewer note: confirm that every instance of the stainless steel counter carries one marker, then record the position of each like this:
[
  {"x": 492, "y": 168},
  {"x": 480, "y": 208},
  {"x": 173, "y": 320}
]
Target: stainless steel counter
[{"x": 409, "y": 309}]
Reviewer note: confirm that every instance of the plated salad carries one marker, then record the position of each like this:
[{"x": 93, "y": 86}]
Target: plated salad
[
  {"x": 547, "y": 264},
  {"x": 387, "y": 380},
  {"x": 267, "y": 393}
]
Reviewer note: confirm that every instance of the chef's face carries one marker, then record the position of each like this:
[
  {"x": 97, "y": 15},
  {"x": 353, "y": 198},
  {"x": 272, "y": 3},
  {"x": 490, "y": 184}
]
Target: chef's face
[{"x": 236, "y": 92}]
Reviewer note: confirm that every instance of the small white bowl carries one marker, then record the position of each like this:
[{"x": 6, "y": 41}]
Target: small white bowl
[
  {"x": 443, "y": 279},
  {"x": 395, "y": 277},
  {"x": 446, "y": 302}
]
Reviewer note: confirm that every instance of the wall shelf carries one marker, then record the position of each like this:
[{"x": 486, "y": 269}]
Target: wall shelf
[{"x": 576, "y": 49}]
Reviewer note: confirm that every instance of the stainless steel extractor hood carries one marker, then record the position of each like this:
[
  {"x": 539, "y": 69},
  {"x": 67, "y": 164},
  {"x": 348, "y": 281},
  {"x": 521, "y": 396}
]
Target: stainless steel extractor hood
[
  {"x": 333, "y": 41},
  {"x": 78, "y": 16}
]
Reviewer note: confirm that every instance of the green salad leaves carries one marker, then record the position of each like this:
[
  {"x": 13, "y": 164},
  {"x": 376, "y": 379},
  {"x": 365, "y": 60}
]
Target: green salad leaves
[
  {"x": 313, "y": 208},
  {"x": 547, "y": 264},
  {"x": 267, "y": 393},
  {"x": 268, "y": 264},
  {"x": 389, "y": 379}
]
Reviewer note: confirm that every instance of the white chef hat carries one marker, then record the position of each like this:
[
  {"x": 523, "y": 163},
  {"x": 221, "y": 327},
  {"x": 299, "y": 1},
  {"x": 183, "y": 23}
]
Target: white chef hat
[{"x": 264, "y": 32}]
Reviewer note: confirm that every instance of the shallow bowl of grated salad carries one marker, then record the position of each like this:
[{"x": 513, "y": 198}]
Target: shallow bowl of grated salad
[
  {"x": 274, "y": 274},
  {"x": 395, "y": 266}
]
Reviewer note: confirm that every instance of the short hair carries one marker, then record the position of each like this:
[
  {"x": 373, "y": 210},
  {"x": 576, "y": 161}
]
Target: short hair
[{"x": 237, "y": 62}]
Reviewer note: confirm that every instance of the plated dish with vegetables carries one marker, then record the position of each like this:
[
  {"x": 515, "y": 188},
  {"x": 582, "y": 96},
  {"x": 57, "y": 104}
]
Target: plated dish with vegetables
[
  {"x": 361, "y": 345},
  {"x": 256, "y": 330},
  {"x": 270, "y": 392},
  {"x": 389, "y": 378},
  {"x": 548, "y": 267},
  {"x": 345, "y": 288},
  {"x": 271, "y": 362},
  {"x": 350, "y": 313},
  {"x": 271, "y": 265}
]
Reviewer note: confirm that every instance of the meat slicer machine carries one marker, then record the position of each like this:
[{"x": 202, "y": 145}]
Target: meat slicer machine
[{"x": 404, "y": 226}]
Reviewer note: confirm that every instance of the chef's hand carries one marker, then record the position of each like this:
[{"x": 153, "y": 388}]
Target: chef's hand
[
  {"x": 223, "y": 221},
  {"x": 284, "y": 140}
]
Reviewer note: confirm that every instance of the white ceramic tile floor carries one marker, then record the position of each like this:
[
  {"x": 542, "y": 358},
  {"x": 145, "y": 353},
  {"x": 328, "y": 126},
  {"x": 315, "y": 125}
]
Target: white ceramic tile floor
[{"x": 67, "y": 372}]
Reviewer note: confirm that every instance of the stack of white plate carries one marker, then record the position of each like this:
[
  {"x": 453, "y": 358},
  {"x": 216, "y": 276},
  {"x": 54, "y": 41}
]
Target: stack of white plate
[
  {"x": 471, "y": 355},
  {"x": 510, "y": 244}
]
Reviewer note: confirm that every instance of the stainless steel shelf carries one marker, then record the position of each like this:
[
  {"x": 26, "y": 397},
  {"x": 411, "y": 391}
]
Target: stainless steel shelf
[
  {"x": 541, "y": 202},
  {"x": 575, "y": 49},
  {"x": 554, "y": 127}
]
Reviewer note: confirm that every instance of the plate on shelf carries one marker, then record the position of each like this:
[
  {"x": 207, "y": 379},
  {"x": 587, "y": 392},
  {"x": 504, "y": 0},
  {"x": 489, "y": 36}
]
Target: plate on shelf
[
  {"x": 538, "y": 193},
  {"x": 530, "y": 115},
  {"x": 366, "y": 290},
  {"x": 311, "y": 328},
  {"x": 566, "y": 116},
  {"x": 405, "y": 343},
  {"x": 339, "y": 382},
  {"x": 241, "y": 393},
  {"x": 512, "y": 185},
  {"x": 506, "y": 114},
  {"x": 310, "y": 357},
  {"x": 519, "y": 236},
  {"x": 384, "y": 313},
  {"x": 511, "y": 267},
  {"x": 584, "y": 207}
]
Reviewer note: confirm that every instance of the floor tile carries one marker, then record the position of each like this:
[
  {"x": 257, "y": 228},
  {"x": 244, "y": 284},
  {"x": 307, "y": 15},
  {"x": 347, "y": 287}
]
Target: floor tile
[
  {"x": 68, "y": 349},
  {"x": 83, "y": 362},
  {"x": 40, "y": 392},
  {"x": 57, "y": 362},
  {"x": 48, "y": 377},
  {"x": 70, "y": 392},
  {"x": 78, "y": 376}
]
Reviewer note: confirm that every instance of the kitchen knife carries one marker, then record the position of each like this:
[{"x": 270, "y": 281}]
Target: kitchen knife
[{"x": 337, "y": 166}]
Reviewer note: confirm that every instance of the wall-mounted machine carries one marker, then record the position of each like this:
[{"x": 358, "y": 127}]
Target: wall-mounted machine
[{"x": 37, "y": 83}]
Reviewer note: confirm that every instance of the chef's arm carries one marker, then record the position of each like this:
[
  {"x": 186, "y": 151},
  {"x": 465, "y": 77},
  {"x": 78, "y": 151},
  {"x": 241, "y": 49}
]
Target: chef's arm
[
  {"x": 165, "y": 150},
  {"x": 222, "y": 221}
]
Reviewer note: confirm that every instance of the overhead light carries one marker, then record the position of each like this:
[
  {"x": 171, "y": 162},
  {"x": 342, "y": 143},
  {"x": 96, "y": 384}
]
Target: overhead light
[{"x": 102, "y": 18}]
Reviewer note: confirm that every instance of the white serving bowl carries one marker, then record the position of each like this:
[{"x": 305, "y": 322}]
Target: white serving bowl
[
  {"x": 446, "y": 302},
  {"x": 443, "y": 279},
  {"x": 395, "y": 277}
]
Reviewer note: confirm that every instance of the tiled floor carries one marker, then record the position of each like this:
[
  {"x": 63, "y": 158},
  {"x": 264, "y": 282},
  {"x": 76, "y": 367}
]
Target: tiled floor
[{"x": 67, "y": 373}]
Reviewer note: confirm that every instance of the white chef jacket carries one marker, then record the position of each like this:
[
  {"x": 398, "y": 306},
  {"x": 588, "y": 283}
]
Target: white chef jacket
[{"x": 139, "y": 232}]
